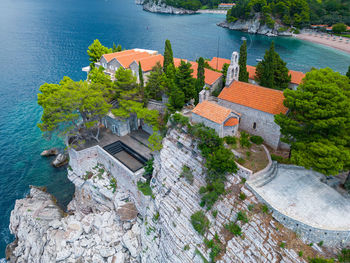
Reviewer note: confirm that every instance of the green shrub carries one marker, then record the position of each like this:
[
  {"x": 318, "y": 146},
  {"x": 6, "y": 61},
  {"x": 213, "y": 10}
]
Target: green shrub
[
  {"x": 113, "y": 184},
  {"x": 320, "y": 243},
  {"x": 200, "y": 222},
  {"x": 187, "y": 174},
  {"x": 243, "y": 180},
  {"x": 280, "y": 159},
  {"x": 244, "y": 140},
  {"x": 320, "y": 260},
  {"x": 240, "y": 160},
  {"x": 248, "y": 154},
  {"x": 187, "y": 247},
  {"x": 211, "y": 193},
  {"x": 242, "y": 216},
  {"x": 178, "y": 118},
  {"x": 282, "y": 245},
  {"x": 344, "y": 256},
  {"x": 296, "y": 31},
  {"x": 215, "y": 213},
  {"x": 148, "y": 168},
  {"x": 300, "y": 253},
  {"x": 264, "y": 209},
  {"x": 256, "y": 139},
  {"x": 144, "y": 187},
  {"x": 156, "y": 217},
  {"x": 234, "y": 228},
  {"x": 242, "y": 196},
  {"x": 250, "y": 207},
  {"x": 230, "y": 140}
]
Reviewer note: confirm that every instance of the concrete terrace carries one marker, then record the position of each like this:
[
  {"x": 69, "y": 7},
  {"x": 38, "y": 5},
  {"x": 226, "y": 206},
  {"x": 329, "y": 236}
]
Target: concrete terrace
[
  {"x": 299, "y": 194},
  {"x": 137, "y": 140}
]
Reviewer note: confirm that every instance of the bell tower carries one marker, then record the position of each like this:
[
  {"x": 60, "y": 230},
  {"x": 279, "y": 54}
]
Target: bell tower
[{"x": 233, "y": 69}]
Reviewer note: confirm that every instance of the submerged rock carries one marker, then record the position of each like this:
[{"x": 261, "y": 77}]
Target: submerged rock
[
  {"x": 50, "y": 152},
  {"x": 60, "y": 160}
]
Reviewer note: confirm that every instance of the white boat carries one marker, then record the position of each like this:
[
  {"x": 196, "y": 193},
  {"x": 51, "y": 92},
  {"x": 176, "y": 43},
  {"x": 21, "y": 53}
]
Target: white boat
[
  {"x": 258, "y": 60},
  {"x": 243, "y": 38}
]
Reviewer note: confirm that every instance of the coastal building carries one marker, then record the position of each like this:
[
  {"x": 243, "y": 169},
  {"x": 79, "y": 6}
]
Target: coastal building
[
  {"x": 226, "y": 6},
  {"x": 296, "y": 76},
  {"x": 257, "y": 106},
  {"x": 223, "y": 120}
]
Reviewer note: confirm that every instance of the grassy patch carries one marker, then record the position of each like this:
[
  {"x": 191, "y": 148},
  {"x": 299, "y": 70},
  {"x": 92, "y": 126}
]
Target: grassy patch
[
  {"x": 144, "y": 187},
  {"x": 200, "y": 222},
  {"x": 234, "y": 228}
]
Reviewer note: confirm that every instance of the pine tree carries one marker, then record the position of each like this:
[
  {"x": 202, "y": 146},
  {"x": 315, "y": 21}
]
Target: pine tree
[
  {"x": 96, "y": 50},
  {"x": 243, "y": 73},
  {"x": 272, "y": 71},
  {"x": 116, "y": 48},
  {"x": 168, "y": 55},
  {"x": 185, "y": 81},
  {"x": 155, "y": 87},
  {"x": 200, "y": 81}
]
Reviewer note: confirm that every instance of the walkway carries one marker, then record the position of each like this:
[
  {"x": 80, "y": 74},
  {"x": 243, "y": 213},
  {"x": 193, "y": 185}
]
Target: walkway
[{"x": 299, "y": 194}]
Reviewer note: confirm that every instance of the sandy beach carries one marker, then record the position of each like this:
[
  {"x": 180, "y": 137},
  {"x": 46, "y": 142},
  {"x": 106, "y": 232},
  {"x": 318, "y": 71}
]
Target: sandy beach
[{"x": 340, "y": 43}]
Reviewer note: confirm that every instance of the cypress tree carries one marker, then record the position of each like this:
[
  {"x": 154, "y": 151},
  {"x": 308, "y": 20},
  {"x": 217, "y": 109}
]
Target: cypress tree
[
  {"x": 185, "y": 81},
  {"x": 200, "y": 81},
  {"x": 243, "y": 73},
  {"x": 272, "y": 71},
  {"x": 168, "y": 55},
  {"x": 141, "y": 76}
]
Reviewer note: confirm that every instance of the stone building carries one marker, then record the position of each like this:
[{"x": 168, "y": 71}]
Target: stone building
[
  {"x": 258, "y": 107},
  {"x": 223, "y": 120}
]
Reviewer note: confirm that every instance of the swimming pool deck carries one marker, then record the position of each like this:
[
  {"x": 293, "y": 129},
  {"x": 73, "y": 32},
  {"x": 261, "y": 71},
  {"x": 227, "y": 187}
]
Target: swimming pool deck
[
  {"x": 137, "y": 140},
  {"x": 299, "y": 194}
]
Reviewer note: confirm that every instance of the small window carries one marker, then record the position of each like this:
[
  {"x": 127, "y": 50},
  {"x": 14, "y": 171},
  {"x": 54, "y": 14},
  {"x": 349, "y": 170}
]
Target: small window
[{"x": 254, "y": 125}]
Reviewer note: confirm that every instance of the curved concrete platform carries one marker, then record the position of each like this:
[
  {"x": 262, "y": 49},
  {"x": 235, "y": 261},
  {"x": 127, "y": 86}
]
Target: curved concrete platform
[{"x": 302, "y": 202}]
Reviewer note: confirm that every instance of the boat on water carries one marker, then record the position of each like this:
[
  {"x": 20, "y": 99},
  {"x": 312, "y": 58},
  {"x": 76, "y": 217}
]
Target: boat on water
[
  {"x": 258, "y": 60},
  {"x": 243, "y": 38}
]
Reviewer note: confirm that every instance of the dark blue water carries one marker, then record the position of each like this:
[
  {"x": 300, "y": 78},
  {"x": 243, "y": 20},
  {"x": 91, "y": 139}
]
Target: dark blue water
[{"x": 44, "y": 40}]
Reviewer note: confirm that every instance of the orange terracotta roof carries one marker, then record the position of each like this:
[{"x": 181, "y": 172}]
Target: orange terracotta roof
[
  {"x": 177, "y": 61},
  {"x": 251, "y": 70},
  {"x": 218, "y": 63},
  {"x": 254, "y": 96},
  {"x": 149, "y": 62},
  {"x": 126, "y": 60},
  {"x": 110, "y": 56},
  {"x": 296, "y": 76},
  {"x": 231, "y": 122},
  {"x": 227, "y": 4},
  {"x": 212, "y": 111},
  {"x": 210, "y": 75}
]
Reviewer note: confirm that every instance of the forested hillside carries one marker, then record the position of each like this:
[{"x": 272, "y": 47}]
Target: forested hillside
[
  {"x": 298, "y": 13},
  {"x": 192, "y": 4}
]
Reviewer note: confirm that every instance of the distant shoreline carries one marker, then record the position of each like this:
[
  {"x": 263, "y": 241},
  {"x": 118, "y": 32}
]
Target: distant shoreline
[{"x": 326, "y": 40}]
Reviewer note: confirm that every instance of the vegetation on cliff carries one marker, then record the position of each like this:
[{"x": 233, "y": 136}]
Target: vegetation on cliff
[
  {"x": 190, "y": 4},
  {"x": 297, "y": 13}
]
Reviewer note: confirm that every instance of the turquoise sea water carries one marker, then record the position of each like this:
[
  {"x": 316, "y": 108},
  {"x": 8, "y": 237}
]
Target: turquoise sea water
[{"x": 44, "y": 40}]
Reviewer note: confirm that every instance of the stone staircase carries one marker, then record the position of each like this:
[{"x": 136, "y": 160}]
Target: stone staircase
[{"x": 263, "y": 179}]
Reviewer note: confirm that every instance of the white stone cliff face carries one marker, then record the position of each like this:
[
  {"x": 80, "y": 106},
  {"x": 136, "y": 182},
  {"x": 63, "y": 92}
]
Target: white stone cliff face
[
  {"x": 254, "y": 26},
  {"x": 159, "y": 7},
  {"x": 103, "y": 225}
]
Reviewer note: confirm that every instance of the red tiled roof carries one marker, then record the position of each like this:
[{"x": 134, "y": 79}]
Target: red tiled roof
[
  {"x": 126, "y": 60},
  {"x": 149, "y": 62},
  {"x": 227, "y": 4},
  {"x": 110, "y": 56},
  {"x": 210, "y": 75},
  {"x": 231, "y": 122},
  {"x": 218, "y": 63},
  {"x": 296, "y": 76},
  {"x": 256, "y": 97},
  {"x": 212, "y": 111}
]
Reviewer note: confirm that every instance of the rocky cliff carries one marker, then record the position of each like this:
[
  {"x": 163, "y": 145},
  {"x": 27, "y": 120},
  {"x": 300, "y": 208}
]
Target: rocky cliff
[
  {"x": 254, "y": 26},
  {"x": 103, "y": 225},
  {"x": 159, "y": 7}
]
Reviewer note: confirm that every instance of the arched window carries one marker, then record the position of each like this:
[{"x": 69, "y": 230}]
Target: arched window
[{"x": 254, "y": 125}]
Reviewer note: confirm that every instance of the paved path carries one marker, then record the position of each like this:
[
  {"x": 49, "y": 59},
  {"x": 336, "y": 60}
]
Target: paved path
[{"x": 299, "y": 194}]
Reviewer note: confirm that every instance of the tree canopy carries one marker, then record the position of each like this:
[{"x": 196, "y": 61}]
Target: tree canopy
[
  {"x": 243, "y": 73},
  {"x": 318, "y": 123},
  {"x": 96, "y": 50},
  {"x": 272, "y": 71},
  {"x": 72, "y": 108},
  {"x": 185, "y": 81}
]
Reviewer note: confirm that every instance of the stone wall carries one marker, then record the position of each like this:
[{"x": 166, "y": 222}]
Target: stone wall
[
  {"x": 208, "y": 123},
  {"x": 84, "y": 160},
  {"x": 265, "y": 124}
]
